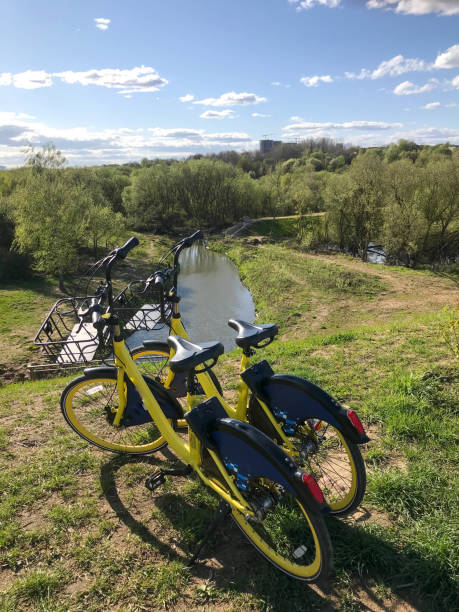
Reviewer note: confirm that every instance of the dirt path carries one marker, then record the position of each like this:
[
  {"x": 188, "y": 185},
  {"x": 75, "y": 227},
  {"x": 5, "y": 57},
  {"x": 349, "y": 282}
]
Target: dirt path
[
  {"x": 316, "y": 214},
  {"x": 406, "y": 289}
]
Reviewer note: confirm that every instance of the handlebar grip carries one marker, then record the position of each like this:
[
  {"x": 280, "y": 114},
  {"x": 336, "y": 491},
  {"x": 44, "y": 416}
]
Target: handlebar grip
[
  {"x": 196, "y": 236},
  {"x": 130, "y": 244},
  {"x": 187, "y": 242}
]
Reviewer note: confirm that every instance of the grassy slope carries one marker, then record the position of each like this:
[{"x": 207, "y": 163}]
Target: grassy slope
[{"x": 79, "y": 531}]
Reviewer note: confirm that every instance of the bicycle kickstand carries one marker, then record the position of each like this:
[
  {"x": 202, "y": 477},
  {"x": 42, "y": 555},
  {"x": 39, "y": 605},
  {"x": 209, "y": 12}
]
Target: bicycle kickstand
[{"x": 222, "y": 512}]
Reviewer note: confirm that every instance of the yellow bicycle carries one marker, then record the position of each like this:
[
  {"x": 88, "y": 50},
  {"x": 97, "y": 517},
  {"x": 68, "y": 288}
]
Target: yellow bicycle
[
  {"x": 276, "y": 505},
  {"x": 312, "y": 427}
]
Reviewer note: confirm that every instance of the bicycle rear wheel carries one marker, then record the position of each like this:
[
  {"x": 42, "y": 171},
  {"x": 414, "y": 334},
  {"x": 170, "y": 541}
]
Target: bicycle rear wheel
[
  {"x": 288, "y": 532},
  {"x": 335, "y": 462},
  {"x": 320, "y": 449},
  {"x": 89, "y": 404}
]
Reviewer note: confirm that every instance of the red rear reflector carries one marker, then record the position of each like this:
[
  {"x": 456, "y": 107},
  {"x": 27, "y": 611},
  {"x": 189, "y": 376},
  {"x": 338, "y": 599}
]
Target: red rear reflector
[
  {"x": 312, "y": 485},
  {"x": 354, "y": 419},
  {"x": 318, "y": 426}
]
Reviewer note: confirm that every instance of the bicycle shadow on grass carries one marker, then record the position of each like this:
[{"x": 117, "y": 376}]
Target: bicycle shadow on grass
[
  {"x": 364, "y": 553},
  {"x": 228, "y": 564},
  {"x": 366, "y": 562}
]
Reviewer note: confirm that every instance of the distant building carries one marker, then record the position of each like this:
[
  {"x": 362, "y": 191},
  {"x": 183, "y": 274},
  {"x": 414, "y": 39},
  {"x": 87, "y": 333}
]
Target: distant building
[{"x": 267, "y": 145}]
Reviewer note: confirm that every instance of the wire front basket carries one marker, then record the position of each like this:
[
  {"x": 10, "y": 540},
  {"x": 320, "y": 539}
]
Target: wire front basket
[
  {"x": 65, "y": 339},
  {"x": 138, "y": 307}
]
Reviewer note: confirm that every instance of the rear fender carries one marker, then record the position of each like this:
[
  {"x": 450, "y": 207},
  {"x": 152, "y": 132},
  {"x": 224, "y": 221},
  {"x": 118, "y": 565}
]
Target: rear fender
[
  {"x": 249, "y": 454},
  {"x": 299, "y": 399}
]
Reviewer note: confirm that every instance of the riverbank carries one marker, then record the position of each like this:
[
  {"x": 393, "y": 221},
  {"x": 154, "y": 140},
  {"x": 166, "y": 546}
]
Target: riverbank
[{"x": 78, "y": 530}]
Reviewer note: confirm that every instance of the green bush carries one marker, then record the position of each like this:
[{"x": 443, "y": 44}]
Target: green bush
[{"x": 13, "y": 266}]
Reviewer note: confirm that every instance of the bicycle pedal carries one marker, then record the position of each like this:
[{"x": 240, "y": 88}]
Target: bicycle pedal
[{"x": 155, "y": 480}]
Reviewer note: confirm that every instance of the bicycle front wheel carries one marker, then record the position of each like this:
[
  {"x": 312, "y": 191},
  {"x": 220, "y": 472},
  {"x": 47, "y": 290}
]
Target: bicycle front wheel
[
  {"x": 287, "y": 531},
  {"x": 89, "y": 404},
  {"x": 154, "y": 362}
]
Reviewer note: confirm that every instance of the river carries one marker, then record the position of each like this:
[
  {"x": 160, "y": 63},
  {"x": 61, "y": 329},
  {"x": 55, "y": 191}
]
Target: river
[{"x": 211, "y": 293}]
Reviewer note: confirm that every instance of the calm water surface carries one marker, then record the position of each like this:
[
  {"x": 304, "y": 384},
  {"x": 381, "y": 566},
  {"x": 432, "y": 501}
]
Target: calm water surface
[{"x": 211, "y": 293}]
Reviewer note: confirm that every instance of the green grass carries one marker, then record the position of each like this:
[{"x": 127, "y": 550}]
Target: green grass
[
  {"x": 276, "y": 228},
  {"x": 23, "y": 307},
  {"x": 79, "y": 531},
  {"x": 285, "y": 284}
]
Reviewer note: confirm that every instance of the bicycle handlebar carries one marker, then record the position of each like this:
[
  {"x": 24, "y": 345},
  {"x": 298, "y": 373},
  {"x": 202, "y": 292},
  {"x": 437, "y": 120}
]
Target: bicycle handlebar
[
  {"x": 130, "y": 244},
  {"x": 190, "y": 239}
]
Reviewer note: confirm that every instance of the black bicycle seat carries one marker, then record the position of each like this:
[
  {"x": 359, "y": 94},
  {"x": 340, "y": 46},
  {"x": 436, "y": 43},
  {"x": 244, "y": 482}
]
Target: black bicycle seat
[
  {"x": 251, "y": 335},
  {"x": 188, "y": 355}
]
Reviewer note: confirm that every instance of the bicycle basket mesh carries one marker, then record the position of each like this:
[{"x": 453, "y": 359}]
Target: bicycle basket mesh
[
  {"x": 64, "y": 338},
  {"x": 138, "y": 307}
]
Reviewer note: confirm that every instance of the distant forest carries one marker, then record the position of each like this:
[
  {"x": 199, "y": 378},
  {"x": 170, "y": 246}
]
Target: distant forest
[{"x": 404, "y": 197}]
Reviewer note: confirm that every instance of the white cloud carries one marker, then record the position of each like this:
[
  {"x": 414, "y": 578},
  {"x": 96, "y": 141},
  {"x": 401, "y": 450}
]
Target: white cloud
[
  {"x": 314, "y": 80},
  {"x": 398, "y": 65},
  {"x": 417, "y": 7},
  {"x": 431, "y": 106},
  {"x": 212, "y": 114},
  {"x": 186, "y": 98},
  {"x": 304, "y": 5},
  {"x": 260, "y": 115},
  {"x": 455, "y": 82},
  {"x": 449, "y": 58},
  {"x": 81, "y": 145},
  {"x": 32, "y": 79},
  {"x": 392, "y": 67},
  {"x": 232, "y": 99},
  {"x": 369, "y": 133},
  {"x": 102, "y": 23},
  {"x": 429, "y": 135},
  {"x": 306, "y": 126},
  {"x": 279, "y": 84},
  {"x": 451, "y": 105},
  {"x": 407, "y": 88},
  {"x": 5, "y": 78},
  {"x": 138, "y": 79}
]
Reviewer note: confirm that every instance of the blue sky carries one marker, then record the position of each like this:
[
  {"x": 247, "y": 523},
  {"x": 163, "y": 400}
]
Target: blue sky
[{"x": 111, "y": 81}]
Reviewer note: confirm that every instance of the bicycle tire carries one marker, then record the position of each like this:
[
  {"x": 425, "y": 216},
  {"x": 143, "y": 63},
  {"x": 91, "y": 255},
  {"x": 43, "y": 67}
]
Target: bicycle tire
[
  {"x": 153, "y": 361},
  {"x": 89, "y": 402},
  {"x": 337, "y": 465},
  {"x": 323, "y": 451},
  {"x": 282, "y": 538},
  {"x": 293, "y": 524}
]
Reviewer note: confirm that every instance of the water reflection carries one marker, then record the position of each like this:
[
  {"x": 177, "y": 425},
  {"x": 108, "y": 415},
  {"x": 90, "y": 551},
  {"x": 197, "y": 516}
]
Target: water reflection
[
  {"x": 376, "y": 254},
  {"x": 211, "y": 293}
]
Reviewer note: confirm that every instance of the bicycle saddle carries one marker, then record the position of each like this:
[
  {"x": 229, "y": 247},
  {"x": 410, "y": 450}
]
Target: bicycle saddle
[
  {"x": 251, "y": 335},
  {"x": 188, "y": 355}
]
